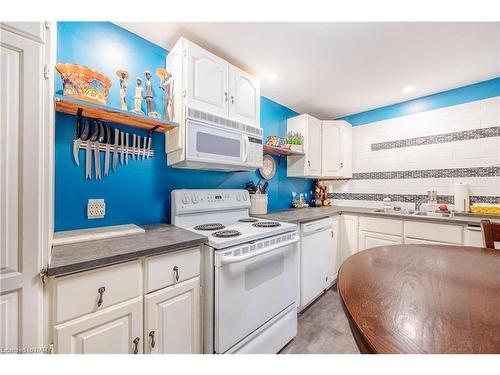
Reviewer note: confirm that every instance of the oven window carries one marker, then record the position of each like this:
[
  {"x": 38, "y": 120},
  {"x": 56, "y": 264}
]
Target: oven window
[{"x": 215, "y": 144}]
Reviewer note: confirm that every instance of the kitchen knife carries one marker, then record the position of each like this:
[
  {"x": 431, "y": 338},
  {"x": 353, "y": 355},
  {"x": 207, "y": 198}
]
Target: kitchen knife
[
  {"x": 144, "y": 145},
  {"x": 85, "y": 137},
  {"x": 108, "y": 146},
  {"x": 134, "y": 146},
  {"x": 94, "y": 133},
  {"x": 122, "y": 144},
  {"x": 97, "y": 152},
  {"x": 126, "y": 148},
  {"x": 77, "y": 141},
  {"x": 149, "y": 147},
  {"x": 115, "y": 150}
]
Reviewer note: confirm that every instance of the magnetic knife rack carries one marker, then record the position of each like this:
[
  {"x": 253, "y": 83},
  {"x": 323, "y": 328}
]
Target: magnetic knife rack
[{"x": 127, "y": 150}]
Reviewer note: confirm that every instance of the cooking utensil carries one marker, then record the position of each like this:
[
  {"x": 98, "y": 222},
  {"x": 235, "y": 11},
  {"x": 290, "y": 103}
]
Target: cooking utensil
[
  {"x": 85, "y": 137},
  {"x": 122, "y": 144},
  {"x": 94, "y": 134},
  {"x": 263, "y": 189},
  {"x": 126, "y": 148},
  {"x": 115, "y": 150},
  {"x": 144, "y": 144},
  {"x": 134, "y": 146},
  {"x": 77, "y": 141},
  {"x": 108, "y": 140},
  {"x": 97, "y": 152}
]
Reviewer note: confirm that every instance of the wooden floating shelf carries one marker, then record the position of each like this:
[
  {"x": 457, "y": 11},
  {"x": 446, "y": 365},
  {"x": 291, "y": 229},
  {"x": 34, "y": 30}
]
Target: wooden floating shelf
[
  {"x": 66, "y": 104},
  {"x": 268, "y": 149}
]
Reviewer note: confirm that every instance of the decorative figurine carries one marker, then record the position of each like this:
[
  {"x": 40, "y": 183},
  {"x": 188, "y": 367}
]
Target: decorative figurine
[
  {"x": 123, "y": 74},
  {"x": 138, "y": 97},
  {"x": 167, "y": 85},
  {"x": 149, "y": 96}
]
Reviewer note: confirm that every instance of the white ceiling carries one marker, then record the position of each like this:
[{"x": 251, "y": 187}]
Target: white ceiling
[{"x": 335, "y": 69}]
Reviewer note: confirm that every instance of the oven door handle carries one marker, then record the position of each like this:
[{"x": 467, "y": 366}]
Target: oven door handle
[{"x": 230, "y": 259}]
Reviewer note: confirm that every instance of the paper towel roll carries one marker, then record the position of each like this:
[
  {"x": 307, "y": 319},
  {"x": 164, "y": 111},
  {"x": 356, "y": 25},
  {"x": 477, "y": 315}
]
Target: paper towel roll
[{"x": 462, "y": 197}]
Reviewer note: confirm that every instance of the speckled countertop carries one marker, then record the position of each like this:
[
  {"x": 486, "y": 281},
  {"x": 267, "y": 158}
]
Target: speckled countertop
[
  {"x": 157, "y": 239},
  {"x": 300, "y": 215}
]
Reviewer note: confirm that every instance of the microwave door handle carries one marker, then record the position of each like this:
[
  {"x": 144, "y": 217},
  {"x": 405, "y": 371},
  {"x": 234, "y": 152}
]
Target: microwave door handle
[
  {"x": 247, "y": 145},
  {"x": 230, "y": 259}
]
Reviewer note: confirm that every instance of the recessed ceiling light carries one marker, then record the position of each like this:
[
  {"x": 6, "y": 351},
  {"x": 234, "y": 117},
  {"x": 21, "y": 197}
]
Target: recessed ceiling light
[
  {"x": 272, "y": 76},
  {"x": 407, "y": 89}
]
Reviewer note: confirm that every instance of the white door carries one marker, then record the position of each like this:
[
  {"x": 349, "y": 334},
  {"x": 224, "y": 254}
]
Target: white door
[
  {"x": 173, "y": 319},
  {"x": 21, "y": 170},
  {"x": 244, "y": 97},
  {"x": 207, "y": 81},
  {"x": 313, "y": 155},
  {"x": 335, "y": 258},
  {"x": 367, "y": 240},
  {"x": 115, "y": 330},
  {"x": 349, "y": 236},
  {"x": 331, "y": 150}
]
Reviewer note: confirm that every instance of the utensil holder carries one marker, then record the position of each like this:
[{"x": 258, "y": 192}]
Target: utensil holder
[{"x": 258, "y": 204}]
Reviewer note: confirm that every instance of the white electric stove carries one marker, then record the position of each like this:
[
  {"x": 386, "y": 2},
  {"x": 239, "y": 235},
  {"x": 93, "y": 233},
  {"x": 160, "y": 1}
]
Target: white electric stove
[{"x": 250, "y": 273}]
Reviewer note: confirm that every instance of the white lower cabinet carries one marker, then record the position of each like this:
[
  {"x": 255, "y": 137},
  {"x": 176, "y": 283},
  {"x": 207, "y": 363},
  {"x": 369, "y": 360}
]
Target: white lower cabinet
[
  {"x": 114, "y": 330},
  {"x": 368, "y": 240},
  {"x": 90, "y": 315},
  {"x": 416, "y": 241},
  {"x": 348, "y": 236},
  {"x": 335, "y": 259},
  {"x": 473, "y": 236},
  {"x": 172, "y": 319}
]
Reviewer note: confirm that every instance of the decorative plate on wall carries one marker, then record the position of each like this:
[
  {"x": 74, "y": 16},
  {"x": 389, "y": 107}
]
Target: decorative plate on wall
[{"x": 268, "y": 168}]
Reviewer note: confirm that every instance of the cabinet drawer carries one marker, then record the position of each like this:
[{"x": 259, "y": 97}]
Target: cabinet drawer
[
  {"x": 76, "y": 295},
  {"x": 434, "y": 232},
  {"x": 380, "y": 225},
  {"x": 160, "y": 269}
]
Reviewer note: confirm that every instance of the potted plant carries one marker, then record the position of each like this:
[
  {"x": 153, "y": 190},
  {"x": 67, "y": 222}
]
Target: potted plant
[{"x": 295, "y": 140}]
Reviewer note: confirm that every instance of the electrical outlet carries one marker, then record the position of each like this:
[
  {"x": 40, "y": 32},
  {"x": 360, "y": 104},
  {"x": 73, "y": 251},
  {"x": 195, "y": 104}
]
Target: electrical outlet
[{"x": 96, "y": 209}]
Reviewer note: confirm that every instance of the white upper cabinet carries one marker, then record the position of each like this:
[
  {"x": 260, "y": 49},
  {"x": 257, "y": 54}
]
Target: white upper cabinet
[
  {"x": 207, "y": 81},
  {"x": 336, "y": 157},
  {"x": 308, "y": 165},
  {"x": 327, "y": 148},
  {"x": 244, "y": 97}
]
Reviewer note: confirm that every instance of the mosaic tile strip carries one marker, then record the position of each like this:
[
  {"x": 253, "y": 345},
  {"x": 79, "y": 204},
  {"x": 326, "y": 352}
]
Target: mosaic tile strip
[
  {"x": 410, "y": 198},
  {"x": 464, "y": 135},
  {"x": 429, "y": 173}
]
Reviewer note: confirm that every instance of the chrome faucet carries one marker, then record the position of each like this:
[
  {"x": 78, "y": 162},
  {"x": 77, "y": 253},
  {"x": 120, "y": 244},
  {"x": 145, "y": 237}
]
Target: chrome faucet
[{"x": 418, "y": 203}]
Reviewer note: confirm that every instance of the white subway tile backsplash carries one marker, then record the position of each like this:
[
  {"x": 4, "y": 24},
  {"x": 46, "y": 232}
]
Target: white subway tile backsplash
[{"x": 457, "y": 140}]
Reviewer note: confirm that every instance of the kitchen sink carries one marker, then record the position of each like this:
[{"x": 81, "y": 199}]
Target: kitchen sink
[
  {"x": 413, "y": 213},
  {"x": 432, "y": 214}
]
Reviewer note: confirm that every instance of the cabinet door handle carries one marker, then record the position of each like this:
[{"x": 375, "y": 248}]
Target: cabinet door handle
[
  {"x": 176, "y": 273},
  {"x": 225, "y": 96},
  {"x": 136, "y": 345},
  {"x": 232, "y": 99},
  {"x": 152, "y": 335},
  {"x": 341, "y": 165},
  {"x": 101, "y": 291},
  {"x": 309, "y": 163},
  {"x": 331, "y": 233}
]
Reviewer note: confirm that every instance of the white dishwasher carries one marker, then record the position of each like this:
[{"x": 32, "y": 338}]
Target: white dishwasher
[{"x": 317, "y": 259}]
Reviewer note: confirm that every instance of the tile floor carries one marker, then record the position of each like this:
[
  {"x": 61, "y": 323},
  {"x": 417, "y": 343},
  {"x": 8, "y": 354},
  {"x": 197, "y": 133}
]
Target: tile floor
[{"x": 323, "y": 329}]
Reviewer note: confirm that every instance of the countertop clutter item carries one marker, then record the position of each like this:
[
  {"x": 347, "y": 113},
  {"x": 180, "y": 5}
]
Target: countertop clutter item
[
  {"x": 84, "y": 83},
  {"x": 299, "y": 201},
  {"x": 250, "y": 268},
  {"x": 461, "y": 197},
  {"x": 387, "y": 204},
  {"x": 258, "y": 204},
  {"x": 485, "y": 208},
  {"x": 268, "y": 168}
]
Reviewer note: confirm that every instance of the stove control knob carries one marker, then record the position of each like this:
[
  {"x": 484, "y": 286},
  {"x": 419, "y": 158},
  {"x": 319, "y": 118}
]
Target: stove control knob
[
  {"x": 245, "y": 197},
  {"x": 238, "y": 197},
  {"x": 194, "y": 199},
  {"x": 185, "y": 200}
]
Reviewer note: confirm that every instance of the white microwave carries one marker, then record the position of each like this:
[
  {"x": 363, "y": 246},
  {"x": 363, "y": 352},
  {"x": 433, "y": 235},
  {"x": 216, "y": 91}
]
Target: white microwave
[{"x": 219, "y": 147}]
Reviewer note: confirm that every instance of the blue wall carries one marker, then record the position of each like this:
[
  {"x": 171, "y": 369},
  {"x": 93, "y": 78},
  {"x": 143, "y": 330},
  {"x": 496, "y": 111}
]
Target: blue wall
[
  {"x": 477, "y": 91},
  {"x": 139, "y": 192}
]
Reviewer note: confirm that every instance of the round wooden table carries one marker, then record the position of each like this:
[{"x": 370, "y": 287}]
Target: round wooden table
[{"x": 423, "y": 299}]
